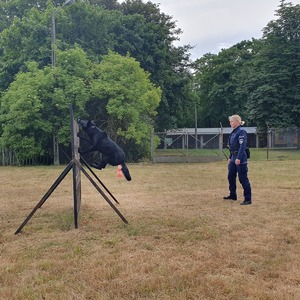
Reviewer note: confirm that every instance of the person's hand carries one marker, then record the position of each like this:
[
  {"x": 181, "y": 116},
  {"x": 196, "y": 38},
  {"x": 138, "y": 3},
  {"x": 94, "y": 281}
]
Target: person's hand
[{"x": 237, "y": 161}]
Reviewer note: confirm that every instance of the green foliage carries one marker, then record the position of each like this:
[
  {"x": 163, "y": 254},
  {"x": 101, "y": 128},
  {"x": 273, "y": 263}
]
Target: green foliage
[
  {"x": 219, "y": 77},
  {"x": 36, "y": 105},
  {"x": 134, "y": 27},
  {"x": 26, "y": 39},
  {"x": 71, "y": 75},
  {"x": 130, "y": 101},
  {"x": 258, "y": 79},
  {"x": 23, "y": 126},
  {"x": 274, "y": 81},
  {"x": 17, "y": 8}
]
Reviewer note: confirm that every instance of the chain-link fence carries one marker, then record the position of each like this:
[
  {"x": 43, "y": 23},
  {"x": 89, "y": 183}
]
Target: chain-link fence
[
  {"x": 187, "y": 145},
  {"x": 279, "y": 144},
  {"x": 202, "y": 145},
  {"x": 210, "y": 144}
]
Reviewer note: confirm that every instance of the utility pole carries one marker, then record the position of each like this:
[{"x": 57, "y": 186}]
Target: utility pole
[{"x": 53, "y": 63}]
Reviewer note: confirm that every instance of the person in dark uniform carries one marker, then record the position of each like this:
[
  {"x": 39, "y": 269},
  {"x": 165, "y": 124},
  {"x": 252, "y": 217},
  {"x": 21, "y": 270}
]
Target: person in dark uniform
[{"x": 238, "y": 163}]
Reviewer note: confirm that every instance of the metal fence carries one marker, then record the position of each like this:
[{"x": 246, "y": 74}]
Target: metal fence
[
  {"x": 200, "y": 145},
  {"x": 210, "y": 144}
]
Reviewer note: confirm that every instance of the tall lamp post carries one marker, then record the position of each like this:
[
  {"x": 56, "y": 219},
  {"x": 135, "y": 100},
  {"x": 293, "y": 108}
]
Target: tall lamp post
[{"x": 53, "y": 63}]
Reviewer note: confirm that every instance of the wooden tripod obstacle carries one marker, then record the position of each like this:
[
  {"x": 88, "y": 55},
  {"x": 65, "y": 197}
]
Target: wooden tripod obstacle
[{"x": 76, "y": 166}]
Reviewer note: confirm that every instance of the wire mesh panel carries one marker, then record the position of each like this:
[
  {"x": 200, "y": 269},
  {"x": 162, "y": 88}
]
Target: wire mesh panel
[
  {"x": 210, "y": 144},
  {"x": 187, "y": 146}
]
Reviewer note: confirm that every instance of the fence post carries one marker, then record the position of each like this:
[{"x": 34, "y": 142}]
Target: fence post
[
  {"x": 221, "y": 141},
  {"x": 187, "y": 142}
]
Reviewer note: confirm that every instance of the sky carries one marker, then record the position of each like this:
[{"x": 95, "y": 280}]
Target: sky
[{"x": 210, "y": 25}]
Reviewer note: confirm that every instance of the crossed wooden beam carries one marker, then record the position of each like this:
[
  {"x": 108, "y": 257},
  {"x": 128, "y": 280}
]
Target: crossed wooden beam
[{"x": 76, "y": 166}]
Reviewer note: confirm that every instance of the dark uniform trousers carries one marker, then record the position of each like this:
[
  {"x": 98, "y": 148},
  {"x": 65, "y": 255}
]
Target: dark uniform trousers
[{"x": 242, "y": 171}]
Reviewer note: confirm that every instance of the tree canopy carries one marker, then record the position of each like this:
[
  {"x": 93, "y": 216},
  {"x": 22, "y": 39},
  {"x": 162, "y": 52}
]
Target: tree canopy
[
  {"x": 259, "y": 79},
  {"x": 116, "y": 90},
  {"x": 274, "y": 82},
  {"x": 86, "y": 32},
  {"x": 134, "y": 27},
  {"x": 118, "y": 65}
]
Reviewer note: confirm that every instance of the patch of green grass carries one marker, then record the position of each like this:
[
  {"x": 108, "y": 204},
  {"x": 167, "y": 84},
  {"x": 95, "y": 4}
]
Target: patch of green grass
[
  {"x": 257, "y": 154},
  {"x": 64, "y": 220}
]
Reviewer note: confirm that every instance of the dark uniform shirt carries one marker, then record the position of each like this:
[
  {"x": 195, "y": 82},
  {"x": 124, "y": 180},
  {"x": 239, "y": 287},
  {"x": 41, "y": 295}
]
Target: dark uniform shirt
[{"x": 237, "y": 145}]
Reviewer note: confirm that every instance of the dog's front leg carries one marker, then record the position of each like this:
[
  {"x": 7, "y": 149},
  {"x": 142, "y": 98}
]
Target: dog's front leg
[
  {"x": 91, "y": 149},
  {"x": 103, "y": 164},
  {"x": 81, "y": 137}
]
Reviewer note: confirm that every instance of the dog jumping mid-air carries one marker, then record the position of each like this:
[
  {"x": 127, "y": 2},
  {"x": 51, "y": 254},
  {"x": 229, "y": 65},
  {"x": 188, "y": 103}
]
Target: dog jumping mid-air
[{"x": 99, "y": 140}]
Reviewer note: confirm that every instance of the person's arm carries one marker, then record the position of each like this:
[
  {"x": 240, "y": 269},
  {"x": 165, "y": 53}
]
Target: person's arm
[{"x": 243, "y": 144}]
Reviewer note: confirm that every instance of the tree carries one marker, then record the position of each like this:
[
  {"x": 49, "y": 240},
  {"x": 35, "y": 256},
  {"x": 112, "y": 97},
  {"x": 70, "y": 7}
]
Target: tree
[
  {"x": 274, "y": 83},
  {"x": 107, "y": 4},
  {"x": 219, "y": 79},
  {"x": 36, "y": 105},
  {"x": 11, "y": 9},
  {"x": 125, "y": 102},
  {"x": 27, "y": 39},
  {"x": 24, "y": 130},
  {"x": 134, "y": 27},
  {"x": 167, "y": 64}
]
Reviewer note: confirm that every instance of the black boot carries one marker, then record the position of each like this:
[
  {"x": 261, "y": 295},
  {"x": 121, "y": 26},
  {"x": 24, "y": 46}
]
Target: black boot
[
  {"x": 230, "y": 197},
  {"x": 246, "y": 202}
]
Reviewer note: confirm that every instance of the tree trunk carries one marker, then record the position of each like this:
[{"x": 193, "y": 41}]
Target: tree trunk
[{"x": 55, "y": 151}]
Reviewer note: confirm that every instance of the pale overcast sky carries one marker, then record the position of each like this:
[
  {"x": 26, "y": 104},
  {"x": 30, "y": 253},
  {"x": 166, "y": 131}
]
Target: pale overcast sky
[{"x": 210, "y": 25}]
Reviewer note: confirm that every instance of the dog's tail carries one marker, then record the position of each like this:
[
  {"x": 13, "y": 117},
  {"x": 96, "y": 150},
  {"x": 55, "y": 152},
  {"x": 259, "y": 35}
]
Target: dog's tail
[{"x": 126, "y": 171}]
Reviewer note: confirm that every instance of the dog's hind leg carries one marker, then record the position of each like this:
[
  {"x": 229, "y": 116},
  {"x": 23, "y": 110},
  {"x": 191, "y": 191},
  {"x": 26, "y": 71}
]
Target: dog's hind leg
[{"x": 126, "y": 171}]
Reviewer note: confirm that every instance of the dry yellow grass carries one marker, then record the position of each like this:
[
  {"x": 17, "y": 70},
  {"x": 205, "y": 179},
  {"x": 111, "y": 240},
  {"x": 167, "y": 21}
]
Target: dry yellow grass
[{"x": 183, "y": 240}]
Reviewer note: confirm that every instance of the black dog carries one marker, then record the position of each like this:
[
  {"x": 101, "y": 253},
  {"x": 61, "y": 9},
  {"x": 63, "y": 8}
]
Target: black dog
[{"x": 111, "y": 153}]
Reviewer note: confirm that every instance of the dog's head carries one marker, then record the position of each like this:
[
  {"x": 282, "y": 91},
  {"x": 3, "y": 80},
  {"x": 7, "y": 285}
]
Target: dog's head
[{"x": 85, "y": 124}]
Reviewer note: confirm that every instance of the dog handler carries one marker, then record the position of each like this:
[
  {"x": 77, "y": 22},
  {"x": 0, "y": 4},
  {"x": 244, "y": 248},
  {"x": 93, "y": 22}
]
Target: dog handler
[{"x": 238, "y": 163}]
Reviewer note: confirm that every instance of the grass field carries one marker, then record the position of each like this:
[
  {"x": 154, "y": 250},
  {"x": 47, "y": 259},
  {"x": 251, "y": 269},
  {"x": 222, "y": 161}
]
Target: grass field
[{"x": 182, "y": 242}]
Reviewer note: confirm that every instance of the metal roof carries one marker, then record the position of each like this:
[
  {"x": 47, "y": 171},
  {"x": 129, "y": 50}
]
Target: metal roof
[{"x": 204, "y": 131}]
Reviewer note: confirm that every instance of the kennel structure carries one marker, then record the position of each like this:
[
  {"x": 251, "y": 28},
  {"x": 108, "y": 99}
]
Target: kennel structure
[
  {"x": 209, "y": 138},
  {"x": 183, "y": 145}
]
